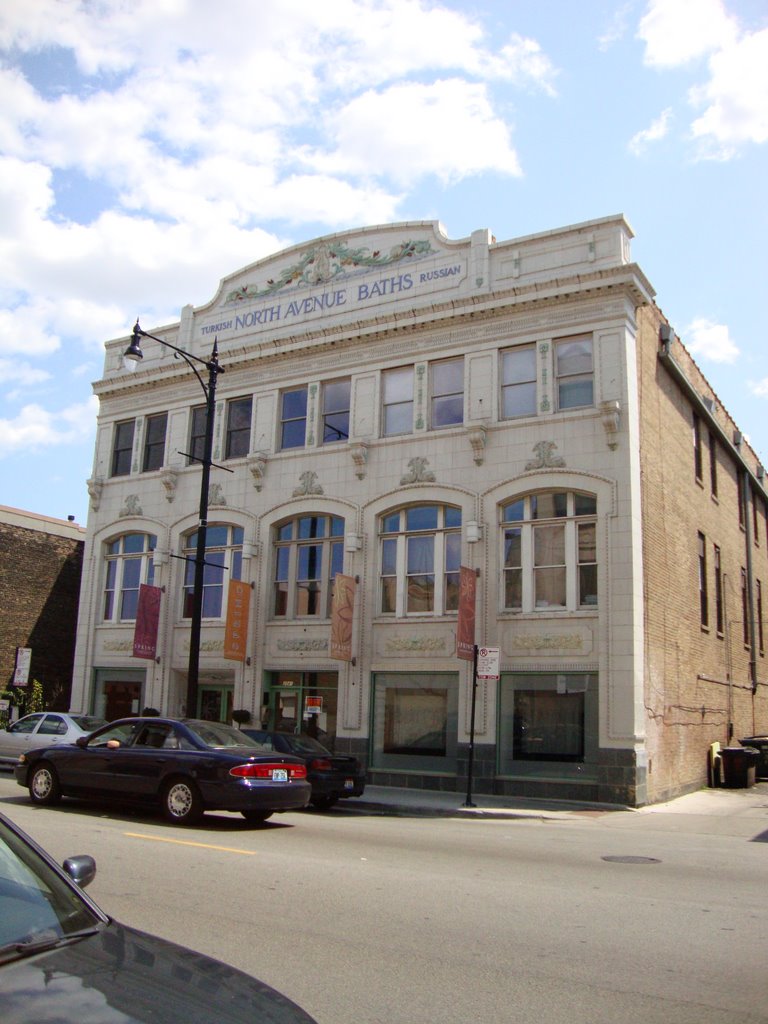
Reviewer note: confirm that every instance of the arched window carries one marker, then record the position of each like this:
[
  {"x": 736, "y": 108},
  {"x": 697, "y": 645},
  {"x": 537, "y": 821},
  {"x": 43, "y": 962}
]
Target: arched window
[
  {"x": 549, "y": 551},
  {"x": 420, "y": 554},
  {"x": 129, "y": 564},
  {"x": 223, "y": 561},
  {"x": 309, "y": 551}
]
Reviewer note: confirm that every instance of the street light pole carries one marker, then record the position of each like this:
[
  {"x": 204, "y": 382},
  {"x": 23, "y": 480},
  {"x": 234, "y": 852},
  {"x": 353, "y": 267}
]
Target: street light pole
[{"x": 134, "y": 353}]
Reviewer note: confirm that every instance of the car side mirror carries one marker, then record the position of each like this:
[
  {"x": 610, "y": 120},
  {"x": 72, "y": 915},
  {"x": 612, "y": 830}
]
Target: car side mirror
[
  {"x": 82, "y": 869},
  {"x": 81, "y": 741}
]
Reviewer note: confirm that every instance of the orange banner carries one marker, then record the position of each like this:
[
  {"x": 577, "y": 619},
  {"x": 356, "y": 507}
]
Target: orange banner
[
  {"x": 236, "y": 630},
  {"x": 465, "y": 631},
  {"x": 342, "y": 617}
]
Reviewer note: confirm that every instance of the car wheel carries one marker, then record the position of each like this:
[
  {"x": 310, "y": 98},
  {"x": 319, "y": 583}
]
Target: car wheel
[
  {"x": 181, "y": 802},
  {"x": 256, "y": 817},
  {"x": 44, "y": 788},
  {"x": 323, "y": 803}
]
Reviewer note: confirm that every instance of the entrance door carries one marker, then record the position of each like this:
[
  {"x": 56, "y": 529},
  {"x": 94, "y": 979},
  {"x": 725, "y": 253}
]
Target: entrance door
[
  {"x": 214, "y": 702},
  {"x": 121, "y": 700},
  {"x": 303, "y": 702}
]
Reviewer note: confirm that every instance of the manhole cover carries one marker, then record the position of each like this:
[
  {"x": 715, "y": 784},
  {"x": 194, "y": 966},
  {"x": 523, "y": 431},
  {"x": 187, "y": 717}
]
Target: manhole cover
[{"x": 632, "y": 860}]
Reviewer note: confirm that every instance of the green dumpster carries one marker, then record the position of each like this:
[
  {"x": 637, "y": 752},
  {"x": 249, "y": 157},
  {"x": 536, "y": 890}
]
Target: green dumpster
[
  {"x": 760, "y": 744},
  {"x": 739, "y": 766}
]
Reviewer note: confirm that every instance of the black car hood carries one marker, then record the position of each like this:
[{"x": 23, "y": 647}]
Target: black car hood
[{"x": 123, "y": 976}]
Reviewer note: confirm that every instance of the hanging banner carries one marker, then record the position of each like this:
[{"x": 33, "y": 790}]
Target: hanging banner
[
  {"x": 23, "y": 662},
  {"x": 465, "y": 630},
  {"x": 342, "y": 616},
  {"x": 236, "y": 629},
  {"x": 147, "y": 622}
]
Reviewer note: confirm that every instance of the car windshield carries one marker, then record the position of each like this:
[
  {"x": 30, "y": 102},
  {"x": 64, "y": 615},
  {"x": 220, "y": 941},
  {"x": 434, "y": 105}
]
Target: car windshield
[
  {"x": 216, "y": 734},
  {"x": 87, "y": 723},
  {"x": 35, "y": 903},
  {"x": 305, "y": 745}
]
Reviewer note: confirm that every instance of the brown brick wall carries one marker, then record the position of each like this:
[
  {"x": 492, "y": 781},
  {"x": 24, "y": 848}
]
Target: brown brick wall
[
  {"x": 696, "y": 680},
  {"x": 39, "y": 592}
]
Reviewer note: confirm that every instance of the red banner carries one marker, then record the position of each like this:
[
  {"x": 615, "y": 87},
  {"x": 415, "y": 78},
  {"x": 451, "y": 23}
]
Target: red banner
[
  {"x": 342, "y": 617},
  {"x": 236, "y": 629},
  {"x": 147, "y": 622},
  {"x": 465, "y": 631}
]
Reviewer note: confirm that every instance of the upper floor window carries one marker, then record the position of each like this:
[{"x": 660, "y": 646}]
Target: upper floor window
[
  {"x": 293, "y": 418},
  {"x": 703, "y": 593},
  {"x": 447, "y": 392},
  {"x": 397, "y": 401},
  {"x": 550, "y": 551},
  {"x": 122, "y": 447},
  {"x": 713, "y": 464},
  {"x": 698, "y": 453},
  {"x": 719, "y": 597},
  {"x": 238, "y": 427},
  {"x": 420, "y": 556},
  {"x": 223, "y": 561},
  {"x": 129, "y": 564},
  {"x": 154, "y": 442},
  {"x": 518, "y": 382},
  {"x": 336, "y": 411},
  {"x": 574, "y": 372},
  {"x": 197, "y": 426},
  {"x": 309, "y": 552}
]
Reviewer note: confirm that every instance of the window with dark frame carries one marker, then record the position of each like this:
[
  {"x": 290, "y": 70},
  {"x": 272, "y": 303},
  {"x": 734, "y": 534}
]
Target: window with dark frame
[
  {"x": 238, "y": 427},
  {"x": 703, "y": 595},
  {"x": 122, "y": 447},
  {"x": 760, "y": 643},
  {"x": 447, "y": 392},
  {"x": 713, "y": 464},
  {"x": 308, "y": 552},
  {"x": 719, "y": 610},
  {"x": 196, "y": 435},
  {"x": 698, "y": 455},
  {"x": 518, "y": 382},
  {"x": 397, "y": 401},
  {"x": 293, "y": 418},
  {"x": 154, "y": 442},
  {"x": 745, "y": 607},
  {"x": 336, "y": 402},
  {"x": 574, "y": 372}
]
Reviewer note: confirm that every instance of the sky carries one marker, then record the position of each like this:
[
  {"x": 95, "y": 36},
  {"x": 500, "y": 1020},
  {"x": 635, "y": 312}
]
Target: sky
[{"x": 149, "y": 148}]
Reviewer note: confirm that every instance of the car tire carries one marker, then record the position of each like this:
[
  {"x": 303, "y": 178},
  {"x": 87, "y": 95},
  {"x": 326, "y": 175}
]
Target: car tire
[
  {"x": 181, "y": 802},
  {"x": 256, "y": 817},
  {"x": 324, "y": 803},
  {"x": 44, "y": 787}
]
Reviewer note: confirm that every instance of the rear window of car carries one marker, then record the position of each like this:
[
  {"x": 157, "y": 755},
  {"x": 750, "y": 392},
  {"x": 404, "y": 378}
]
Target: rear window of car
[
  {"x": 215, "y": 734},
  {"x": 88, "y": 724}
]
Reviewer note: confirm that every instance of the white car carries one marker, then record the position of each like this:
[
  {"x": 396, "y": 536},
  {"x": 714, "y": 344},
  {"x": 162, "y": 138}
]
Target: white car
[{"x": 43, "y": 729}]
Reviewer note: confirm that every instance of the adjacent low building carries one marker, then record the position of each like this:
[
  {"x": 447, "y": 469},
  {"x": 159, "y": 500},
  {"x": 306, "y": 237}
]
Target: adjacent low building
[{"x": 397, "y": 405}]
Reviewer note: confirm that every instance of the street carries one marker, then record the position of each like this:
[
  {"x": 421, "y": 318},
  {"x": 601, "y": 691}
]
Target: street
[{"x": 366, "y": 919}]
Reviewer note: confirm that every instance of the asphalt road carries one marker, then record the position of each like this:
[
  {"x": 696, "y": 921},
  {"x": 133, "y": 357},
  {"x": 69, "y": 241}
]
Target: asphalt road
[{"x": 367, "y": 919}]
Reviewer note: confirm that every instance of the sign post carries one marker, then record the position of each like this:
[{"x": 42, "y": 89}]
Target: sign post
[{"x": 466, "y": 649}]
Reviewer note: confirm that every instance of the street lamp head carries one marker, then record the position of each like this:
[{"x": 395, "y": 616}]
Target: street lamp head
[{"x": 133, "y": 352}]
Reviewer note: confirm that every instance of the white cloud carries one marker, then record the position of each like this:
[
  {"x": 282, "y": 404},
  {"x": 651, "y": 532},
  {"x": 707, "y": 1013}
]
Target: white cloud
[
  {"x": 35, "y": 427},
  {"x": 710, "y": 341},
  {"x": 656, "y": 131},
  {"x": 734, "y": 95}
]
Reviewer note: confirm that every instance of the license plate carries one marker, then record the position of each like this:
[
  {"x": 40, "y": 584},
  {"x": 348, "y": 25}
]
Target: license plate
[
  {"x": 279, "y": 774},
  {"x": 349, "y": 784}
]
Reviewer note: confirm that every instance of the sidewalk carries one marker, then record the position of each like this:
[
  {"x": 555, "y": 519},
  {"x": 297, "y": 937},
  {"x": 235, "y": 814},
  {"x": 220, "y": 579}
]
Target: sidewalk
[{"x": 403, "y": 802}]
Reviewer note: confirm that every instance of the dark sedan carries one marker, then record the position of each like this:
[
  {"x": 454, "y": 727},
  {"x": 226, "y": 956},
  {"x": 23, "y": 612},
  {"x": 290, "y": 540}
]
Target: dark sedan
[
  {"x": 184, "y": 766},
  {"x": 331, "y": 776},
  {"x": 63, "y": 959}
]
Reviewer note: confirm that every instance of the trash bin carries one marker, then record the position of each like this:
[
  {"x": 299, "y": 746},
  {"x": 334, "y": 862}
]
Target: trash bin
[
  {"x": 760, "y": 744},
  {"x": 739, "y": 766}
]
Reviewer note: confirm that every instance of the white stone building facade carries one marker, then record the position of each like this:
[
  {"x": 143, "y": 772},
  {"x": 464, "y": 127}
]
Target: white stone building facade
[{"x": 396, "y": 404}]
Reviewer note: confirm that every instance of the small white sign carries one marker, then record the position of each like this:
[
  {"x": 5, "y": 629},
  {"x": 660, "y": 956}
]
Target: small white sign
[
  {"x": 23, "y": 660},
  {"x": 488, "y": 663}
]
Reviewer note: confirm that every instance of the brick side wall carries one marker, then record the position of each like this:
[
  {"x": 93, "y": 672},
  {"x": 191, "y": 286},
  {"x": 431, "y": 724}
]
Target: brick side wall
[
  {"x": 696, "y": 680},
  {"x": 39, "y": 591}
]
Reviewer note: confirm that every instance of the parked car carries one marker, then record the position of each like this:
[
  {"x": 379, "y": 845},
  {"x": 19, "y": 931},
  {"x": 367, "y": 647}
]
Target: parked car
[
  {"x": 184, "y": 766},
  {"x": 62, "y": 957},
  {"x": 331, "y": 776},
  {"x": 43, "y": 729}
]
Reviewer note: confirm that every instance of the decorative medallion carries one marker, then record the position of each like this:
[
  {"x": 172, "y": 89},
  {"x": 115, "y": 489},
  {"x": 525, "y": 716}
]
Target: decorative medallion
[
  {"x": 308, "y": 485},
  {"x": 545, "y": 459},
  {"x": 419, "y": 474}
]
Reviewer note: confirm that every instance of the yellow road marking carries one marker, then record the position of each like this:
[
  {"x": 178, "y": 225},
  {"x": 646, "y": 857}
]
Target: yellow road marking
[{"x": 186, "y": 842}]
